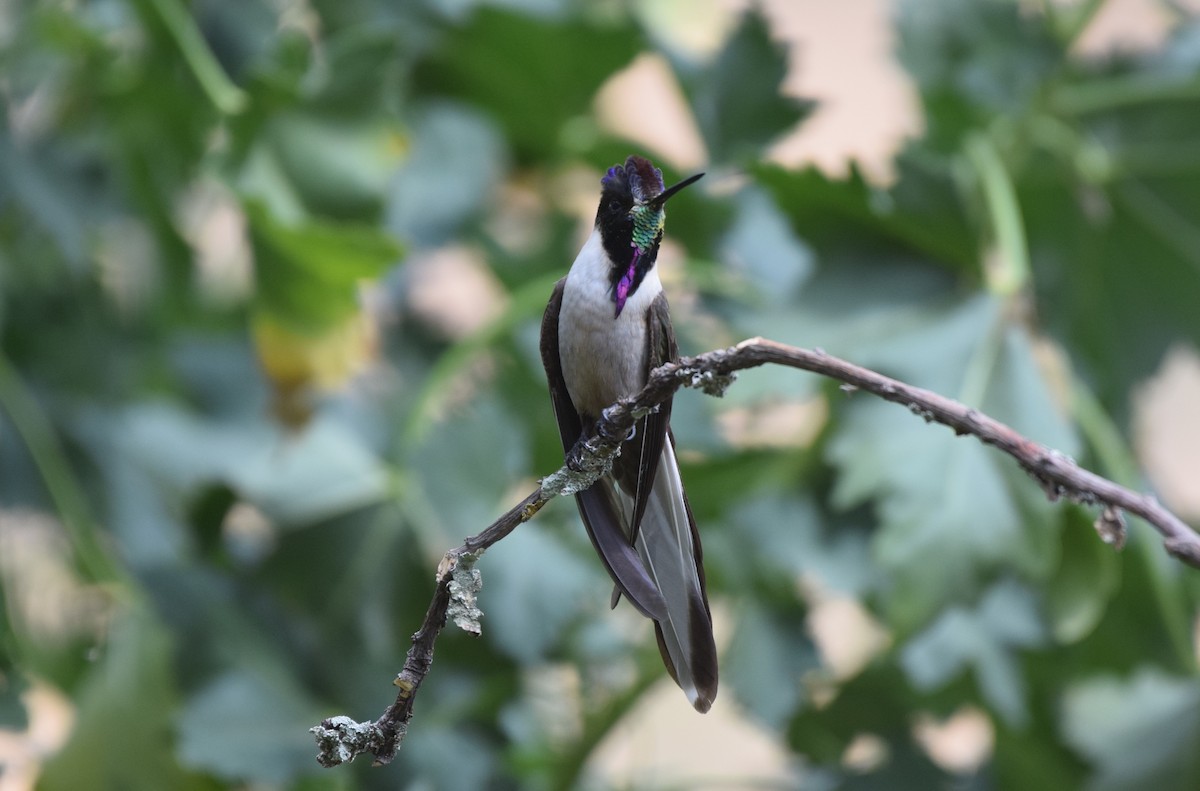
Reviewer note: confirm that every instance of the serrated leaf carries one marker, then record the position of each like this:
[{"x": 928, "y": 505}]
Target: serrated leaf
[
  {"x": 737, "y": 99},
  {"x": 944, "y": 501},
  {"x": 762, "y": 247},
  {"x": 984, "y": 639},
  {"x": 850, "y": 216},
  {"x": 1139, "y": 732},
  {"x": 531, "y": 74},
  {"x": 974, "y": 57},
  {"x": 243, "y": 727},
  {"x": 1118, "y": 320}
]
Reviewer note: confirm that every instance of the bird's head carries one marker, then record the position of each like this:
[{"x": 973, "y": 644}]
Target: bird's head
[{"x": 630, "y": 219}]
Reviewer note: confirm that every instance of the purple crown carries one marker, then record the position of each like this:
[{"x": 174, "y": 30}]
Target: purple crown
[{"x": 639, "y": 174}]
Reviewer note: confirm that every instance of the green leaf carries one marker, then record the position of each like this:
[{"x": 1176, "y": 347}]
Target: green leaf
[
  {"x": 1118, "y": 318},
  {"x": 942, "y": 500},
  {"x": 1034, "y": 755},
  {"x": 456, "y": 162},
  {"x": 325, "y": 471},
  {"x": 878, "y": 701},
  {"x": 1139, "y": 732},
  {"x": 365, "y": 62},
  {"x": 320, "y": 472},
  {"x": 244, "y": 727},
  {"x": 454, "y": 363},
  {"x": 242, "y": 35},
  {"x": 737, "y": 98},
  {"x": 307, "y": 274},
  {"x": 762, "y": 247},
  {"x": 447, "y": 756},
  {"x": 848, "y": 216},
  {"x": 13, "y": 716},
  {"x": 973, "y": 60},
  {"x": 1088, "y": 576},
  {"x": 54, "y": 200},
  {"x": 463, "y": 466},
  {"x": 767, "y": 658},
  {"x": 531, "y": 74},
  {"x": 533, "y": 590},
  {"x": 122, "y": 735},
  {"x": 834, "y": 312},
  {"x": 984, "y": 639},
  {"x": 907, "y": 767},
  {"x": 13, "y": 684},
  {"x": 770, "y": 539},
  {"x": 340, "y": 167}
]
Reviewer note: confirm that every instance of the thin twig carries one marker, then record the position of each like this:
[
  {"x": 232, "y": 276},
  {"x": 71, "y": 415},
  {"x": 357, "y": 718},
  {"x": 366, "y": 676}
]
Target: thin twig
[{"x": 341, "y": 739}]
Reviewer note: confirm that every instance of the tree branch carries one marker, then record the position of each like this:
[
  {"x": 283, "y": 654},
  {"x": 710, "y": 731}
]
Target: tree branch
[{"x": 341, "y": 739}]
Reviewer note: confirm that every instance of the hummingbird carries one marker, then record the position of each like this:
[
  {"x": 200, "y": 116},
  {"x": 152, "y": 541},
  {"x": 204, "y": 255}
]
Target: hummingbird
[{"x": 607, "y": 325}]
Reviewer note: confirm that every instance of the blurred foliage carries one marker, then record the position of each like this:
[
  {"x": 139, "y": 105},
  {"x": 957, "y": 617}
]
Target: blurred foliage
[{"x": 234, "y": 439}]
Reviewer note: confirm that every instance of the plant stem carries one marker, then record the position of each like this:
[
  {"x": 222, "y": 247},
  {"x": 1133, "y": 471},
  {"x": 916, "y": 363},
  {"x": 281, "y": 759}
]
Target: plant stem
[
  {"x": 36, "y": 431},
  {"x": 1115, "y": 93},
  {"x": 224, "y": 95},
  {"x": 1012, "y": 274}
]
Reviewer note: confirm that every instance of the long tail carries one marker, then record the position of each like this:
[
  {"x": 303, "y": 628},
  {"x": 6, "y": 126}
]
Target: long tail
[{"x": 670, "y": 550}]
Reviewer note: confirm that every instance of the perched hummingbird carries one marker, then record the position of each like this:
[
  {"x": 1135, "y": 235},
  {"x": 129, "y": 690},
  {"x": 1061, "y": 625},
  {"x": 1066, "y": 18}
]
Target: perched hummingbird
[{"x": 606, "y": 327}]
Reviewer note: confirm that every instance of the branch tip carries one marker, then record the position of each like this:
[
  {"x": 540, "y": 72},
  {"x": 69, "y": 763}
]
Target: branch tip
[
  {"x": 341, "y": 739},
  {"x": 1183, "y": 549}
]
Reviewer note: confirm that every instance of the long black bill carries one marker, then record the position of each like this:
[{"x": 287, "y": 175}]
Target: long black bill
[{"x": 658, "y": 200}]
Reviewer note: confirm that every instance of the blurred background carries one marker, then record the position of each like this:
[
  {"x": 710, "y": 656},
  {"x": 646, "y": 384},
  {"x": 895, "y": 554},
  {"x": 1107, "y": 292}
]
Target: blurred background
[{"x": 271, "y": 273}]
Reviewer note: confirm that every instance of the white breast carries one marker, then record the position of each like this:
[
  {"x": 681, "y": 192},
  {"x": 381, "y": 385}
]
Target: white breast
[{"x": 603, "y": 358}]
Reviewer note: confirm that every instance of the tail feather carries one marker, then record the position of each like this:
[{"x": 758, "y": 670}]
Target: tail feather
[{"x": 669, "y": 547}]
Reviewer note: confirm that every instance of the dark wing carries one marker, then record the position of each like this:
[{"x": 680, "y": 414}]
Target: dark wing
[
  {"x": 569, "y": 426},
  {"x": 637, "y": 465},
  {"x": 596, "y": 507}
]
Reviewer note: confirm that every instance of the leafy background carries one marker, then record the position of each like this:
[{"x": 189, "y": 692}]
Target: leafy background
[{"x": 270, "y": 279}]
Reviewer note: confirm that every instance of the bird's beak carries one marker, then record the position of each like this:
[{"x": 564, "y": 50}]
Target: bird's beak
[{"x": 658, "y": 200}]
